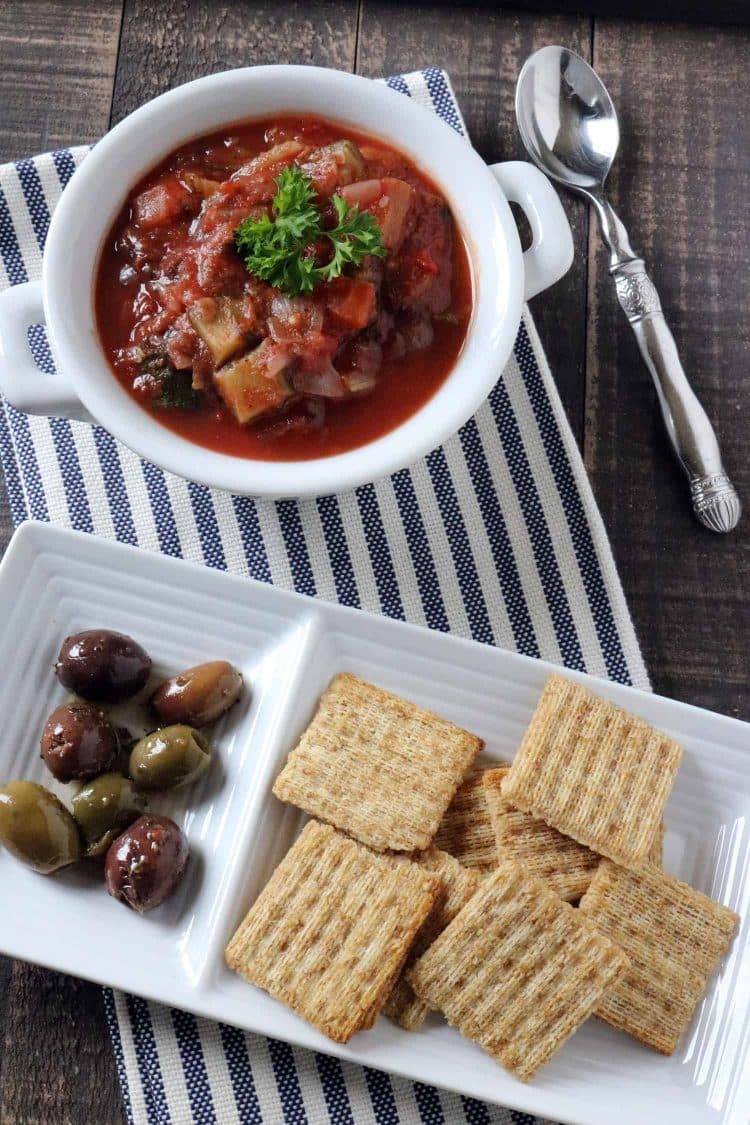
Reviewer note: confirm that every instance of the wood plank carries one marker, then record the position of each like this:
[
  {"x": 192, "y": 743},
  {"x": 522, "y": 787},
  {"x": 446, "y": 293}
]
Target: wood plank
[
  {"x": 681, "y": 184},
  {"x": 57, "y": 66},
  {"x": 483, "y": 50},
  {"x": 58, "y": 1063},
  {"x": 174, "y": 41},
  {"x": 691, "y": 11}
]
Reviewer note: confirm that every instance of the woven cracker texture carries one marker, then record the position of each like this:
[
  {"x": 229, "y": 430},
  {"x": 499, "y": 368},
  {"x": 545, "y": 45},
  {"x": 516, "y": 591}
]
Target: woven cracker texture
[
  {"x": 465, "y": 831},
  {"x": 376, "y": 766},
  {"x": 330, "y": 931},
  {"x": 517, "y": 971},
  {"x": 563, "y": 864},
  {"x": 458, "y": 885},
  {"x": 594, "y": 772},
  {"x": 673, "y": 936}
]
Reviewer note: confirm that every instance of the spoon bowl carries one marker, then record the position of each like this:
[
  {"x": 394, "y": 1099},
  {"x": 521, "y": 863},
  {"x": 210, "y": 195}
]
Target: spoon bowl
[
  {"x": 567, "y": 119},
  {"x": 568, "y": 124}
]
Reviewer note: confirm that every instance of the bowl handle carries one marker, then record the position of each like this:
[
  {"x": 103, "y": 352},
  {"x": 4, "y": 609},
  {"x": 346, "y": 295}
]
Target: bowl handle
[
  {"x": 551, "y": 253},
  {"x": 23, "y": 384}
]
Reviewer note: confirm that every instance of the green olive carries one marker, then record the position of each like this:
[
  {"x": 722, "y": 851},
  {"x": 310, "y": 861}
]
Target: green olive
[
  {"x": 169, "y": 758},
  {"x": 36, "y": 828},
  {"x": 104, "y": 808}
]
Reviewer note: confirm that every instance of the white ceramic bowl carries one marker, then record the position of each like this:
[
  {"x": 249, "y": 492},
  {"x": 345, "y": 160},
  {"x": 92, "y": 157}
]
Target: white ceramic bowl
[{"x": 84, "y": 386}]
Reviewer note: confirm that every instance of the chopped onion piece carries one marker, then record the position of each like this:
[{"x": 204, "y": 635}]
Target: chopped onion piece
[
  {"x": 294, "y": 320},
  {"x": 360, "y": 382},
  {"x": 326, "y": 382}
]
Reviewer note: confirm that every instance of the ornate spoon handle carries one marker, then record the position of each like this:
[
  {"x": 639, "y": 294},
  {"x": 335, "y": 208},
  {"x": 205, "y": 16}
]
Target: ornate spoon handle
[{"x": 715, "y": 501}]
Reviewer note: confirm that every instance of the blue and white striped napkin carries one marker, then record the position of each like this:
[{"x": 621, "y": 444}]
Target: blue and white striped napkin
[{"x": 494, "y": 536}]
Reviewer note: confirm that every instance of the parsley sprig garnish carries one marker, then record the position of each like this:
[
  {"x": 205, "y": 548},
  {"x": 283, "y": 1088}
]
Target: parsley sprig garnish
[{"x": 276, "y": 249}]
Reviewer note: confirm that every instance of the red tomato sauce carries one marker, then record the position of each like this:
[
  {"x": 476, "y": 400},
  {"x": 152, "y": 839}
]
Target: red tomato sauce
[{"x": 269, "y": 376}]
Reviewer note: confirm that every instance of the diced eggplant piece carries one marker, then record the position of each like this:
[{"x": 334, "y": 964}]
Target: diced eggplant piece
[
  {"x": 217, "y": 320},
  {"x": 335, "y": 165},
  {"x": 269, "y": 163},
  {"x": 256, "y": 383},
  {"x": 162, "y": 203},
  {"x": 201, "y": 185},
  {"x": 349, "y": 159},
  {"x": 389, "y": 201},
  {"x": 392, "y": 211}
]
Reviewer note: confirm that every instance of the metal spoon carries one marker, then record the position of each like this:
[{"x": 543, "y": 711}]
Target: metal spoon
[{"x": 569, "y": 127}]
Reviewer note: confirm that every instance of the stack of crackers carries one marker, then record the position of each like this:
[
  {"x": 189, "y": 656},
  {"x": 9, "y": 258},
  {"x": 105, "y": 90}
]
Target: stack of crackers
[{"x": 427, "y": 882}]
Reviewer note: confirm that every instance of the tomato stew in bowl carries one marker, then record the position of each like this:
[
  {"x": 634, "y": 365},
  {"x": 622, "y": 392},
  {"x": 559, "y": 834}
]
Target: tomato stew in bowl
[{"x": 283, "y": 290}]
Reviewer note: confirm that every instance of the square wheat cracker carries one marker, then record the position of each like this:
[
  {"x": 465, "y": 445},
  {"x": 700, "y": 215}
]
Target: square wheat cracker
[
  {"x": 563, "y": 864},
  {"x": 376, "y": 766},
  {"x": 329, "y": 932},
  {"x": 465, "y": 831},
  {"x": 458, "y": 885},
  {"x": 656, "y": 853},
  {"x": 593, "y": 772},
  {"x": 673, "y": 936},
  {"x": 518, "y": 970}
]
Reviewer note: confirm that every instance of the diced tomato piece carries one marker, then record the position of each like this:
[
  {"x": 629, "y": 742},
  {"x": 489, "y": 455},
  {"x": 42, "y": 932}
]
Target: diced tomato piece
[
  {"x": 352, "y": 303},
  {"x": 162, "y": 203},
  {"x": 426, "y": 262}
]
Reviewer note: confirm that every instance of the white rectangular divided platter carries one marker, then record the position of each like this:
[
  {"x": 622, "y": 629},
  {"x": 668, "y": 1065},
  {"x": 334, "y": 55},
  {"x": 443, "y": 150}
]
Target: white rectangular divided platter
[{"x": 55, "y": 582}]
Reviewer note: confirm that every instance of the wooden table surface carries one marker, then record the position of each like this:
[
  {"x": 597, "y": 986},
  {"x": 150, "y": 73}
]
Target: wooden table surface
[{"x": 70, "y": 69}]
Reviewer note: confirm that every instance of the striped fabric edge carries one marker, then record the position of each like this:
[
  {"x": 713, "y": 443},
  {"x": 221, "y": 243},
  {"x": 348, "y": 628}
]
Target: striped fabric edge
[
  {"x": 495, "y": 536},
  {"x": 221, "y": 1075}
]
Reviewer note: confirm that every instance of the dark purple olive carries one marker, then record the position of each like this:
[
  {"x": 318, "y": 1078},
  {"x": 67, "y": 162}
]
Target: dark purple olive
[
  {"x": 199, "y": 695},
  {"x": 145, "y": 865},
  {"x": 78, "y": 742},
  {"x": 102, "y": 666}
]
